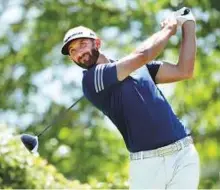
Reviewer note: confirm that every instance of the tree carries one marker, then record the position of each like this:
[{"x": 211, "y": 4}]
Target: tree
[{"x": 31, "y": 60}]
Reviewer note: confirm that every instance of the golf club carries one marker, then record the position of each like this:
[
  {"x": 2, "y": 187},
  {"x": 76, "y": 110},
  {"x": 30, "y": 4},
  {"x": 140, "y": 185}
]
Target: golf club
[{"x": 31, "y": 142}]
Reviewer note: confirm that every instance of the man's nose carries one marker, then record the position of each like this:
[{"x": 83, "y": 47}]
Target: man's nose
[{"x": 79, "y": 55}]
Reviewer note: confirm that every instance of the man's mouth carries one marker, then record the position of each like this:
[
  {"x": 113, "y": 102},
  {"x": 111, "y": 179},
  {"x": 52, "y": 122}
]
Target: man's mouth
[
  {"x": 84, "y": 58},
  {"x": 88, "y": 59}
]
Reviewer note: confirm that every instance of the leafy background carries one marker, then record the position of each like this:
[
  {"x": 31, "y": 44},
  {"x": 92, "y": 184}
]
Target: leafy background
[{"x": 37, "y": 83}]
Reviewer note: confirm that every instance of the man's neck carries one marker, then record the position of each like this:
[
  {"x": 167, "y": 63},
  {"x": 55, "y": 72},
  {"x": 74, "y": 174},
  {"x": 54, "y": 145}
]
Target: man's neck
[{"x": 102, "y": 59}]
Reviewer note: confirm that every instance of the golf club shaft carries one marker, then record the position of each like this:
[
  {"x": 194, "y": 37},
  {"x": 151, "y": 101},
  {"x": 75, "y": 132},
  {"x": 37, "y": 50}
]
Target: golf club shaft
[{"x": 59, "y": 116}]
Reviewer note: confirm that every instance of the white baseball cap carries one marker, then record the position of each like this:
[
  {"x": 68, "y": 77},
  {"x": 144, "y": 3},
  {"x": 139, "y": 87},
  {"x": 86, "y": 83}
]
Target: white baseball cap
[{"x": 75, "y": 33}]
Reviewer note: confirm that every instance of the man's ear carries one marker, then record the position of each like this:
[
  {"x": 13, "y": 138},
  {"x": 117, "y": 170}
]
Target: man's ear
[
  {"x": 70, "y": 58},
  {"x": 97, "y": 43}
]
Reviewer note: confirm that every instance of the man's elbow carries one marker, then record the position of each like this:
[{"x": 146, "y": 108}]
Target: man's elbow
[{"x": 188, "y": 73}]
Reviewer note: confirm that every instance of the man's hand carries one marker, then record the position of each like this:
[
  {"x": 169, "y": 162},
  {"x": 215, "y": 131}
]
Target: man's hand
[
  {"x": 182, "y": 15},
  {"x": 170, "y": 24},
  {"x": 185, "y": 66}
]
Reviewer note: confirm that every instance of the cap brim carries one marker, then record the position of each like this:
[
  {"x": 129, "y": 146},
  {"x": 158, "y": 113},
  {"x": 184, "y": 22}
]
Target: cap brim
[{"x": 64, "y": 49}]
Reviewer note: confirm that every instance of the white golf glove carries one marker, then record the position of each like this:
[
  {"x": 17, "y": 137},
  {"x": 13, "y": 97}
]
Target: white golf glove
[{"x": 182, "y": 15}]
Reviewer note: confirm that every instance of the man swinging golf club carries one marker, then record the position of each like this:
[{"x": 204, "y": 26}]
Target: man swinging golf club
[{"x": 162, "y": 154}]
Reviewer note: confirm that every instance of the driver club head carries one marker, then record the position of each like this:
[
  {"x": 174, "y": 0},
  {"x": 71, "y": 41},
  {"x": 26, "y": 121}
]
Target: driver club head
[{"x": 30, "y": 142}]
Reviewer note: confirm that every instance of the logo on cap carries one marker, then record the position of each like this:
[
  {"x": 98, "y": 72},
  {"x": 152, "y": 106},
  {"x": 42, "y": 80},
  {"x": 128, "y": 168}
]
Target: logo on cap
[{"x": 74, "y": 34}]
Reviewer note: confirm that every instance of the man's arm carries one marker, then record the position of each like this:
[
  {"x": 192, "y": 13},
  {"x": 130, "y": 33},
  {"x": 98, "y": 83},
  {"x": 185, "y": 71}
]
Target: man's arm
[
  {"x": 147, "y": 51},
  {"x": 184, "y": 69}
]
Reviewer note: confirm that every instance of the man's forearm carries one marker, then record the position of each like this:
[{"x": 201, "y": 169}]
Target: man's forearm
[
  {"x": 188, "y": 49},
  {"x": 152, "y": 47},
  {"x": 147, "y": 51}
]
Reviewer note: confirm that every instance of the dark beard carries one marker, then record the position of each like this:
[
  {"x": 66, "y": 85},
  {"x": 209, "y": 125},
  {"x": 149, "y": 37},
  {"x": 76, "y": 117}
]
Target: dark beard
[{"x": 93, "y": 57}]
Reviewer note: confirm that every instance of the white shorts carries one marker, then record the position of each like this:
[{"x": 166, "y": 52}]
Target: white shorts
[{"x": 178, "y": 170}]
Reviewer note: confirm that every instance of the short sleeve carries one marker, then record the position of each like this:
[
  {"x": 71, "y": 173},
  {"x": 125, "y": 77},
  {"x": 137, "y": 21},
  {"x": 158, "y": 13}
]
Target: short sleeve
[
  {"x": 101, "y": 77},
  {"x": 153, "y": 68}
]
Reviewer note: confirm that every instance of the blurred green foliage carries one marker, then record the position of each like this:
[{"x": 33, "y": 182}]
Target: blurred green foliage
[
  {"x": 21, "y": 170},
  {"x": 89, "y": 154},
  {"x": 31, "y": 45}
]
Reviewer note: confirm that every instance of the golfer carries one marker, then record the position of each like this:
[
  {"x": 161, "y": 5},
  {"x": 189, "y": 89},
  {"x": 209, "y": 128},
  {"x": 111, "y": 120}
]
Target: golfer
[{"x": 162, "y": 154}]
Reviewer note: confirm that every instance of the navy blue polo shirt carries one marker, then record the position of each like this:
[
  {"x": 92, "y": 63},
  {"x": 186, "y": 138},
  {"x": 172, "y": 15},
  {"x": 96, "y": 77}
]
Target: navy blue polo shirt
[{"x": 135, "y": 105}]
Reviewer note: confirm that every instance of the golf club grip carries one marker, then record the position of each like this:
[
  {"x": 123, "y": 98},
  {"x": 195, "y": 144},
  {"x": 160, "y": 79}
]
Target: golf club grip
[{"x": 59, "y": 116}]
